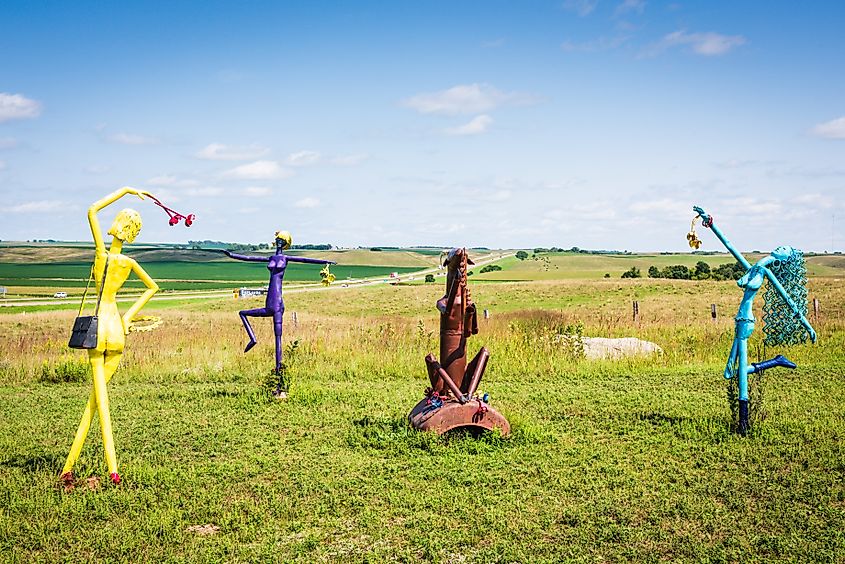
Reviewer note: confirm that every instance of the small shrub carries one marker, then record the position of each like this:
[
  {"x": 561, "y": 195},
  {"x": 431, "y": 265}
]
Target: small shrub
[
  {"x": 429, "y": 278},
  {"x": 69, "y": 368},
  {"x": 490, "y": 268}
]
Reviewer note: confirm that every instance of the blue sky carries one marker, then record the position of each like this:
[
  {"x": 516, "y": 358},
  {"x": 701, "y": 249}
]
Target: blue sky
[{"x": 584, "y": 123}]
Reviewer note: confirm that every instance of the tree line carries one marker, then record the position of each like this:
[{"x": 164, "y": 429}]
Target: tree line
[{"x": 701, "y": 271}]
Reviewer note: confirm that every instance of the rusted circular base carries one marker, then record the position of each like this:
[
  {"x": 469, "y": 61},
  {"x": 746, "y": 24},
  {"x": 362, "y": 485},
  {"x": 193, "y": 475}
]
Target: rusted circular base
[{"x": 452, "y": 415}]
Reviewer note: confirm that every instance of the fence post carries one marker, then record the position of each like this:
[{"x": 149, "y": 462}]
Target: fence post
[
  {"x": 636, "y": 311},
  {"x": 713, "y": 312},
  {"x": 486, "y": 314},
  {"x": 816, "y": 309},
  {"x": 294, "y": 319}
]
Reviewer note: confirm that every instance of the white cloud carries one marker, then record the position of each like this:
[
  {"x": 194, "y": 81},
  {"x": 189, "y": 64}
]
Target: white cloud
[
  {"x": 38, "y": 206},
  {"x": 8, "y": 142},
  {"x": 499, "y": 196},
  {"x": 259, "y": 170},
  {"x": 663, "y": 207},
  {"x": 132, "y": 139},
  {"x": 17, "y": 106},
  {"x": 170, "y": 180},
  {"x": 463, "y": 99},
  {"x": 476, "y": 125},
  {"x": 630, "y": 6},
  {"x": 257, "y": 191},
  {"x": 220, "y": 152},
  {"x": 307, "y": 203},
  {"x": 303, "y": 158},
  {"x": 834, "y": 129},
  {"x": 349, "y": 160},
  {"x": 580, "y": 7},
  {"x": 708, "y": 44}
]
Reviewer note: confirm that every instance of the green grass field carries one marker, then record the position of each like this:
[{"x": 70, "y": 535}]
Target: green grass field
[
  {"x": 632, "y": 460},
  {"x": 556, "y": 266}
]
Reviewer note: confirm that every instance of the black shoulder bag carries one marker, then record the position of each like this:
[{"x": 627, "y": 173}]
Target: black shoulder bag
[{"x": 84, "y": 335}]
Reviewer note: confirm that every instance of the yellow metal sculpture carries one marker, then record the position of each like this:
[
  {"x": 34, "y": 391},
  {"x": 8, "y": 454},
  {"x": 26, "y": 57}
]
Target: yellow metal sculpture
[{"x": 110, "y": 271}]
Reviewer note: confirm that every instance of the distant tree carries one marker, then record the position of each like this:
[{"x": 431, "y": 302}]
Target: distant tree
[
  {"x": 607, "y": 275},
  {"x": 490, "y": 268},
  {"x": 654, "y": 272},
  {"x": 702, "y": 270},
  {"x": 521, "y": 255},
  {"x": 470, "y": 273},
  {"x": 429, "y": 278},
  {"x": 728, "y": 272},
  {"x": 634, "y": 272},
  {"x": 540, "y": 250}
]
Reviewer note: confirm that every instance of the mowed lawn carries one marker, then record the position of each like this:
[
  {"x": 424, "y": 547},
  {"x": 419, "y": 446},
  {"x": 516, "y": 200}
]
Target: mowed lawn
[{"x": 624, "y": 461}]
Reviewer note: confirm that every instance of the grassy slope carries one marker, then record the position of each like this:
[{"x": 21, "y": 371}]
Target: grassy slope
[
  {"x": 608, "y": 461},
  {"x": 556, "y": 266}
]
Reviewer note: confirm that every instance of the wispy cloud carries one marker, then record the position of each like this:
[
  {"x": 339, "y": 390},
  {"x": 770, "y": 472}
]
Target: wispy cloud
[
  {"x": 132, "y": 139},
  {"x": 307, "y": 203},
  {"x": 833, "y": 129},
  {"x": 259, "y": 170},
  {"x": 580, "y": 7},
  {"x": 303, "y": 158},
  {"x": 204, "y": 191},
  {"x": 464, "y": 99},
  {"x": 257, "y": 191},
  {"x": 221, "y": 152},
  {"x": 629, "y": 7},
  {"x": 38, "y": 206},
  {"x": 18, "y": 106},
  {"x": 173, "y": 181},
  {"x": 476, "y": 125},
  {"x": 2, "y": 165},
  {"x": 707, "y": 44},
  {"x": 499, "y": 196},
  {"x": 8, "y": 142},
  {"x": 349, "y": 160}
]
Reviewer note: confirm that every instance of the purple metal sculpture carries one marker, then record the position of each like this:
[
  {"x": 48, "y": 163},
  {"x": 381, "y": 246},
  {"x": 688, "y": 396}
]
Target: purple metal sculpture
[
  {"x": 451, "y": 401},
  {"x": 274, "y": 306}
]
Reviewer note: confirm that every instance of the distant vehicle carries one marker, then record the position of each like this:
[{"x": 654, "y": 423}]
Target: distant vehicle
[
  {"x": 344, "y": 285},
  {"x": 60, "y": 295}
]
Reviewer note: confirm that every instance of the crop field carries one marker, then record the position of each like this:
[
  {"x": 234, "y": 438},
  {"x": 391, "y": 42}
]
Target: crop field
[{"x": 631, "y": 460}]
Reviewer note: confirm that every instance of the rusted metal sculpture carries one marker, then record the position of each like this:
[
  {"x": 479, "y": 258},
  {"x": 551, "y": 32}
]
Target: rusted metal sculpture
[{"x": 451, "y": 401}]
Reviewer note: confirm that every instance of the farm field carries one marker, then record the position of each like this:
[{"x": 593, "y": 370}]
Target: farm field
[
  {"x": 554, "y": 266},
  {"x": 49, "y": 268},
  {"x": 632, "y": 460}
]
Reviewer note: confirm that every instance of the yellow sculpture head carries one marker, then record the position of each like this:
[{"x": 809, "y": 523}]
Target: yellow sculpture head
[
  {"x": 126, "y": 225},
  {"x": 284, "y": 239}
]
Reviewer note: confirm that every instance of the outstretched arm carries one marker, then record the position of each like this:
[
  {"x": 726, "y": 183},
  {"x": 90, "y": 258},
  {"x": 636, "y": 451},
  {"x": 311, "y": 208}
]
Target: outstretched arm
[
  {"x": 292, "y": 258},
  {"x": 100, "y": 204},
  {"x": 247, "y": 258},
  {"x": 152, "y": 288},
  {"x": 707, "y": 221}
]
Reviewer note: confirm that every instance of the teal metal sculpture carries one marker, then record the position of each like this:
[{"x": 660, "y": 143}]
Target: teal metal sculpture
[{"x": 784, "y": 310}]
